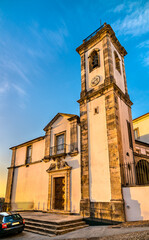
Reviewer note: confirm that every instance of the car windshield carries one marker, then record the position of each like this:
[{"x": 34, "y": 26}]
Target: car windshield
[{"x": 12, "y": 218}]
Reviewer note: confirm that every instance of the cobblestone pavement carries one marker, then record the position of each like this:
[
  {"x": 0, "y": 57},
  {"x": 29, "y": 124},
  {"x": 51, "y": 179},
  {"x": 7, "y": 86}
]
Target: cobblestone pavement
[{"x": 91, "y": 233}]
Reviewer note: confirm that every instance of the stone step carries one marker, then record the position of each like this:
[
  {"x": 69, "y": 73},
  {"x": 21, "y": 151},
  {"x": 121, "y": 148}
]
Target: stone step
[
  {"x": 53, "y": 231},
  {"x": 58, "y": 227},
  {"x": 52, "y": 222}
]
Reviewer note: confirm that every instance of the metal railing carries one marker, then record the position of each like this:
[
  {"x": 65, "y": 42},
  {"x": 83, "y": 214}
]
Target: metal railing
[
  {"x": 93, "y": 34},
  {"x": 63, "y": 149},
  {"x": 58, "y": 149},
  {"x": 135, "y": 173}
]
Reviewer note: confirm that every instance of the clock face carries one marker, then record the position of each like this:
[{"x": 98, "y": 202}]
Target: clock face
[{"x": 95, "y": 81}]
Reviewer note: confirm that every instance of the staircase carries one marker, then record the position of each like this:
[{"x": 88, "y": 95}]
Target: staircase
[{"x": 52, "y": 228}]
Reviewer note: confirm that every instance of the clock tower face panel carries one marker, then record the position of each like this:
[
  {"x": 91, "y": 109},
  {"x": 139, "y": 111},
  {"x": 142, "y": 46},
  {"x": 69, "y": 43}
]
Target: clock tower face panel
[{"x": 96, "y": 75}]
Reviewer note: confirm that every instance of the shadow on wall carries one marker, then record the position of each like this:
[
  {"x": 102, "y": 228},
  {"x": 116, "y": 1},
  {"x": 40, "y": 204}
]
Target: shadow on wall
[
  {"x": 144, "y": 138},
  {"x": 132, "y": 207},
  {"x": 74, "y": 164}
]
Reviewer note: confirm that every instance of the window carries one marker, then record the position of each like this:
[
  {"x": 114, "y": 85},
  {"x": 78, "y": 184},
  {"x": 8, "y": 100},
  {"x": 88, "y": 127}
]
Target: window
[
  {"x": 28, "y": 155},
  {"x": 142, "y": 172},
  {"x": 94, "y": 60},
  {"x": 96, "y": 110},
  {"x": 136, "y": 133},
  {"x": 129, "y": 134},
  {"x": 60, "y": 146},
  {"x": 117, "y": 62}
]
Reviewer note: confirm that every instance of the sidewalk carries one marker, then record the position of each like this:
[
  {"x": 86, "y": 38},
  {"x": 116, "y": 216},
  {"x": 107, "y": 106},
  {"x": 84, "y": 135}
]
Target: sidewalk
[
  {"x": 129, "y": 230},
  {"x": 106, "y": 233}
]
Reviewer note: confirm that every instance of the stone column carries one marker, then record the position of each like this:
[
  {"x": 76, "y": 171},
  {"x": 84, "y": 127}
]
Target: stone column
[
  {"x": 47, "y": 144},
  {"x": 10, "y": 178},
  {"x": 83, "y": 75},
  {"x": 115, "y": 150},
  {"x": 108, "y": 60},
  {"x": 73, "y": 135},
  {"x": 124, "y": 74},
  {"x": 85, "y": 197}
]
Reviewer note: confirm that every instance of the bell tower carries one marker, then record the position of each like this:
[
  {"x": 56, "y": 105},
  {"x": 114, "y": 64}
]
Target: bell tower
[{"x": 106, "y": 124}]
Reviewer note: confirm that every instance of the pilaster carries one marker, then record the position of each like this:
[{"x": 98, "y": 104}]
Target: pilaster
[
  {"x": 85, "y": 204},
  {"x": 10, "y": 178},
  {"x": 47, "y": 144}
]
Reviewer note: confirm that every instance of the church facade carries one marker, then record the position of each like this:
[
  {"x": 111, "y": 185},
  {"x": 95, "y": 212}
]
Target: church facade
[{"x": 87, "y": 164}]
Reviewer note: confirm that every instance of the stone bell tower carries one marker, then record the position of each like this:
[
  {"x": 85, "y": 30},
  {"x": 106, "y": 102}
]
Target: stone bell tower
[{"x": 106, "y": 125}]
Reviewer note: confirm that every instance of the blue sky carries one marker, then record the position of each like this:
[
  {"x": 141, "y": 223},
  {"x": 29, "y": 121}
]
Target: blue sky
[{"x": 40, "y": 69}]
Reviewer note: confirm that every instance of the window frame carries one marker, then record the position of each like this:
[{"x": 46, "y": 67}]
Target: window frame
[
  {"x": 28, "y": 157},
  {"x": 55, "y": 140},
  {"x": 138, "y": 133},
  {"x": 129, "y": 135},
  {"x": 90, "y": 59},
  {"x": 117, "y": 62}
]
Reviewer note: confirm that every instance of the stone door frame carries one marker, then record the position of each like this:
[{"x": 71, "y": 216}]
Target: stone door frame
[{"x": 51, "y": 196}]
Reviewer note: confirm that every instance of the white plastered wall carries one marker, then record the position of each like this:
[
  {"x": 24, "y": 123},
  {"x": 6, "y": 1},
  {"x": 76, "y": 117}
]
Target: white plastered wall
[
  {"x": 124, "y": 117},
  {"x": 118, "y": 77},
  {"x": 99, "y": 71},
  {"x": 136, "y": 203},
  {"x": 99, "y": 180},
  {"x": 37, "y": 152},
  {"x": 30, "y": 184},
  {"x": 30, "y": 187}
]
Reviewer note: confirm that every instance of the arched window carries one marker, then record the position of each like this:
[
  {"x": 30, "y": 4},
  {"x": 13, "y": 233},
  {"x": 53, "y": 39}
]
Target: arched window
[
  {"x": 117, "y": 62},
  {"x": 94, "y": 60},
  {"x": 142, "y": 172}
]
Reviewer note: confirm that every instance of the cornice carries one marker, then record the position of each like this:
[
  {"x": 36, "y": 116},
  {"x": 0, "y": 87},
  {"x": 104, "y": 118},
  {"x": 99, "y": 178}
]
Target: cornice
[
  {"x": 27, "y": 143},
  {"x": 90, "y": 95},
  {"x": 103, "y": 32}
]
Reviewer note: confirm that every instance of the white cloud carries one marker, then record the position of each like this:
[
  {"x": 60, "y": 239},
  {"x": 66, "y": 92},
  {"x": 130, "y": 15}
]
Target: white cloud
[
  {"x": 19, "y": 90},
  {"x": 4, "y": 87},
  {"x": 146, "y": 59},
  {"x": 144, "y": 44},
  {"x": 135, "y": 23},
  {"x": 118, "y": 8}
]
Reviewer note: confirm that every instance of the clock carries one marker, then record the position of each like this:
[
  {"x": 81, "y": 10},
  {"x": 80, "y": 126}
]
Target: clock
[{"x": 95, "y": 81}]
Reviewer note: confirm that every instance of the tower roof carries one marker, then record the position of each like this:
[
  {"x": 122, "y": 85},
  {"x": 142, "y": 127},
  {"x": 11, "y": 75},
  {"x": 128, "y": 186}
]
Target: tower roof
[{"x": 98, "y": 35}]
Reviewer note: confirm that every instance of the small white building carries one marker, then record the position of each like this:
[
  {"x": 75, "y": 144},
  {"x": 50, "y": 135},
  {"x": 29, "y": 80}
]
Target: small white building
[{"x": 88, "y": 165}]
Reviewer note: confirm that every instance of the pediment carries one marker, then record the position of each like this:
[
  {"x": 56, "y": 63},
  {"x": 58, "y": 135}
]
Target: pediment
[
  {"x": 58, "y": 115},
  {"x": 60, "y": 165}
]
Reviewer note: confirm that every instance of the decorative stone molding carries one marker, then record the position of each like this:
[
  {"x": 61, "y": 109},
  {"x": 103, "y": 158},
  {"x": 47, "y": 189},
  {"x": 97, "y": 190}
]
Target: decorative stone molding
[
  {"x": 57, "y": 165},
  {"x": 59, "y": 169}
]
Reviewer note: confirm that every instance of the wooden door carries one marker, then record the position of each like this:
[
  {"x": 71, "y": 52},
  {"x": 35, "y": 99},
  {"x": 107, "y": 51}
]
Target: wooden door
[{"x": 59, "y": 193}]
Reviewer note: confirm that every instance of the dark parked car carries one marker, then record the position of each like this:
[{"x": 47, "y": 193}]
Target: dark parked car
[{"x": 11, "y": 223}]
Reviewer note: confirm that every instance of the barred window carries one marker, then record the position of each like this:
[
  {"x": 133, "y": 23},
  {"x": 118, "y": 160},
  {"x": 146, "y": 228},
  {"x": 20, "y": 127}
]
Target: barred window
[{"x": 142, "y": 172}]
